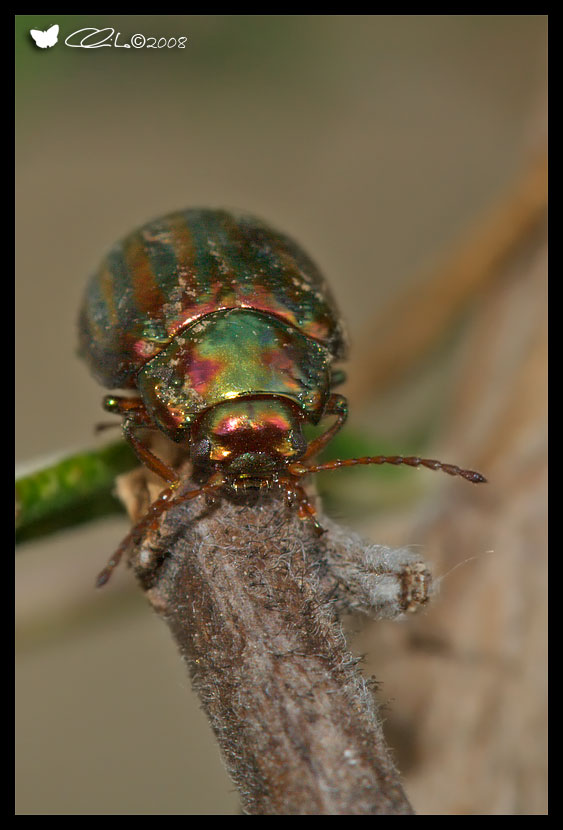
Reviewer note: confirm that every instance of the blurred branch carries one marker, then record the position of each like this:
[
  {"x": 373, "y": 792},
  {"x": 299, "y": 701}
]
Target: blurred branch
[
  {"x": 408, "y": 328},
  {"x": 480, "y": 655}
]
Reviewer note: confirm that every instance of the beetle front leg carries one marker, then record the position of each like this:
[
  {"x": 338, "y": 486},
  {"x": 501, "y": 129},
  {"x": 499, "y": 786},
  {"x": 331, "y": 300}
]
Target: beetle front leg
[
  {"x": 337, "y": 405},
  {"x": 297, "y": 497},
  {"x": 135, "y": 416},
  {"x": 167, "y": 499}
]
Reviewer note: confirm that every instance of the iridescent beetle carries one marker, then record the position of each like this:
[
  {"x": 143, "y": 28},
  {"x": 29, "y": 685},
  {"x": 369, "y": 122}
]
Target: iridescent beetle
[{"x": 229, "y": 334}]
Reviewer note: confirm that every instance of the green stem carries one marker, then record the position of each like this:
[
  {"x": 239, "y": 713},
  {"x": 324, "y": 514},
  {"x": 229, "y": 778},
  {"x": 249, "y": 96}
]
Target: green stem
[{"x": 70, "y": 491}]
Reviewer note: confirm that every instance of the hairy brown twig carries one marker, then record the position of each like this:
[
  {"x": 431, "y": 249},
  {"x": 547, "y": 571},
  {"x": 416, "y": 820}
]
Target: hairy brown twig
[{"x": 251, "y": 596}]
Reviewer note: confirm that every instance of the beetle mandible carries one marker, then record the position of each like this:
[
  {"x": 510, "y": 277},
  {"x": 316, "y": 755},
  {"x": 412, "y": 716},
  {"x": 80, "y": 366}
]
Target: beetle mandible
[{"x": 228, "y": 335}]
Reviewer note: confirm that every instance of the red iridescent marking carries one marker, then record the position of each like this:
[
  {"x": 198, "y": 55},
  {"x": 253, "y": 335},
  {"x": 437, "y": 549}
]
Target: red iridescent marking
[
  {"x": 144, "y": 349},
  {"x": 148, "y": 295},
  {"x": 203, "y": 372},
  {"x": 108, "y": 293},
  {"x": 256, "y": 422},
  {"x": 224, "y": 296},
  {"x": 279, "y": 423},
  {"x": 182, "y": 242},
  {"x": 279, "y": 360}
]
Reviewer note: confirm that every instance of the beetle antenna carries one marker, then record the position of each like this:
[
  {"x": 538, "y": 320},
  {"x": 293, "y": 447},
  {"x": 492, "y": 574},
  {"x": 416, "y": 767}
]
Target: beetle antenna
[
  {"x": 410, "y": 460},
  {"x": 101, "y": 427}
]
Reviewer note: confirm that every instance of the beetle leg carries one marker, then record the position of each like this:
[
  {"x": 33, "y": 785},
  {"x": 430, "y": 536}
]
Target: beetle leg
[
  {"x": 146, "y": 456},
  {"x": 337, "y": 405},
  {"x": 135, "y": 417},
  {"x": 154, "y": 511},
  {"x": 296, "y": 496},
  {"x": 163, "y": 503},
  {"x": 105, "y": 425},
  {"x": 118, "y": 405}
]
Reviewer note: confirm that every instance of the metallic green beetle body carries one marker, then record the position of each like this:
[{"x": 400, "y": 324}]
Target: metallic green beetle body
[
  {"x": 232, "y": 354},
  {"x": 204, "y": 307},
  {"x": 175, "y": 270}
]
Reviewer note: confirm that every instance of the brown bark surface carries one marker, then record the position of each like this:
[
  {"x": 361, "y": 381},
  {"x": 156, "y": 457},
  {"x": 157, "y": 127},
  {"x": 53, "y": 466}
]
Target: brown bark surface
[{"x": 249, "y": 597}]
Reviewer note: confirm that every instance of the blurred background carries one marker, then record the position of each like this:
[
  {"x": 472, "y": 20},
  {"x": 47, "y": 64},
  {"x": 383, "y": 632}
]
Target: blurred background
[{"x": 375, "y": 141}]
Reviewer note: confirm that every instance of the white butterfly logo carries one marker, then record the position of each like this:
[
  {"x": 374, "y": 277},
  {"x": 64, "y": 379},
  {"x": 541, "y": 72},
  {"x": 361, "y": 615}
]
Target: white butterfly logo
[{"x": 47, "y": 38}]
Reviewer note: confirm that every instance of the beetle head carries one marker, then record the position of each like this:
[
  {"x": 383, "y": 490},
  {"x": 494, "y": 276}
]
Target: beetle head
[{"x": 248, "y": 437}]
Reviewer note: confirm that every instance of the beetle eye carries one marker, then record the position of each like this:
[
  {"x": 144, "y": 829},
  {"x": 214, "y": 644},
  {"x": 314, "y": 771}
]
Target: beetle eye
[
  {"x": 200, "y": 450},
  {"x": 298, "y": 441}
]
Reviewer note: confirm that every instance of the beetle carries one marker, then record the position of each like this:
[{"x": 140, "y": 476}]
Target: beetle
[{"x": 228, "y": 336}]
